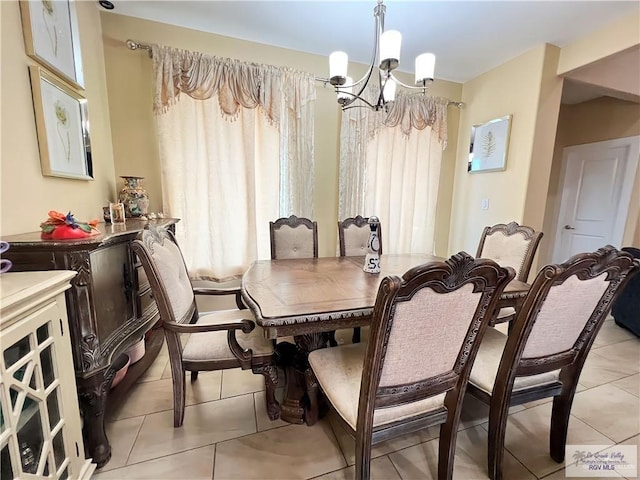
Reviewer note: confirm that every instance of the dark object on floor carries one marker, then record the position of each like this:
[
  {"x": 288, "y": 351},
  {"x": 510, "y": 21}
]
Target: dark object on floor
[{"x": 626, "y": 308}]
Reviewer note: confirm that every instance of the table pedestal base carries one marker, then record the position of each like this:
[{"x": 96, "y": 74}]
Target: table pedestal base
[{"x": 294, "y": 408}]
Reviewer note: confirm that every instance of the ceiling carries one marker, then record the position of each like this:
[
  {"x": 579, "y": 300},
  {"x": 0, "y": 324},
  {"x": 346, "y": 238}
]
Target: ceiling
[{"x": 468, "y": 38}]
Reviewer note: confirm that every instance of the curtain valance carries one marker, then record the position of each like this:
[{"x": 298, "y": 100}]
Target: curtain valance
[
  {"x": 276, "y": 90},
  {"x": 416, "y": 111}
]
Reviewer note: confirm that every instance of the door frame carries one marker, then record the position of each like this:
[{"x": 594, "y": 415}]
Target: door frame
[{"x": 624, "y": 203}]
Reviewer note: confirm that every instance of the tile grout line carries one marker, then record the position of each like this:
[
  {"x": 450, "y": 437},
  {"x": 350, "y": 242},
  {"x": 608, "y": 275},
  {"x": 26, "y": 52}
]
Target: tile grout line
[
  {"x": 592, "y": 426},
  {"x": 398, "y": 471},
  {"x": 134, "y": 441},
  {"x": 213, "y": 467},
  {"x": 192, "y": 405},
  {"x": 161, "y": 457}
]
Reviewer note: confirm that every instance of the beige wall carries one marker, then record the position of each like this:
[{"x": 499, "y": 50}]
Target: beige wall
[
  {"x": 135, "y": 151},
  {"x": 614, "y": 38},
  {"x": 620, "y": 72},
  {"x": 512, "y": 88},
  {"x": 27, "y": 195},
  {"x": 595, "y": 121},
  {"x": 526, "y": 88}
]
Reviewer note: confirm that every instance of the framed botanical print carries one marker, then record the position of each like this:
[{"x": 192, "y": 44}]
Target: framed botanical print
[
  {"x": 51, "y": 37},
  {"x": 489, "y": 145},
  {"x": 62, "y": 125}
]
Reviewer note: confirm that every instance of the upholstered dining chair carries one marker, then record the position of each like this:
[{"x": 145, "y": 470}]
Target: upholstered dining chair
[
  {"x": 510, "y": 245},
  {"x": 293, "y": 237},
  {"x": 412, "y": 373},
  {"x": 218, "y": 340},
  {"x": 544, "y": 353},
  {"x": 353, "y": 236}
]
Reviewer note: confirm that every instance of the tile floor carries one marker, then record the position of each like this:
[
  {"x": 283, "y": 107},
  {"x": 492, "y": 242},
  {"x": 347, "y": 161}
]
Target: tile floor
[{"x": 227, "y": 434}]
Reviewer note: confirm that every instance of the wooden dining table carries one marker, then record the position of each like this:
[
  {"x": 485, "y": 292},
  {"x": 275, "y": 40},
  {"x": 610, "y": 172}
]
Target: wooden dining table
[{"x": 309, "y": 298}]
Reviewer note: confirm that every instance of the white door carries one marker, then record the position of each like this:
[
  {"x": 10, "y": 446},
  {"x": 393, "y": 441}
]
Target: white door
[{"x": 597, "y": 180}]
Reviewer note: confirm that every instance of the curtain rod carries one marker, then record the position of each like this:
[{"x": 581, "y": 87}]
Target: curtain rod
[{"x": 133, "y": 45}]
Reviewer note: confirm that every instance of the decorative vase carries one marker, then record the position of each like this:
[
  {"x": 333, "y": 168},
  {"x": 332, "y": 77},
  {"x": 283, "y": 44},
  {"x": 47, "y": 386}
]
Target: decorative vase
[{"x": 134, "y": 197}]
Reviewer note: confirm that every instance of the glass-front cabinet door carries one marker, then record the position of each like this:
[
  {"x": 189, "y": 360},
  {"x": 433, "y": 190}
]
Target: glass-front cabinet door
[{"x": 39, "y": 418}]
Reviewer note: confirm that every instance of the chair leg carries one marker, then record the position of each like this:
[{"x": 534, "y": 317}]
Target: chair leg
[
  {"x": 178, "y": 375},
  {"x": 498, "y": 411},
  {"x": 363, "y": 457},
  {"x": 270, "y": 373},
  {"x": 194, "y": 375},
  {"x": 332, "y": 339},
  {"x": 447, "y": 447},
  {"x": 560, "y": 424},
  {"x": 356, "y": 335}
]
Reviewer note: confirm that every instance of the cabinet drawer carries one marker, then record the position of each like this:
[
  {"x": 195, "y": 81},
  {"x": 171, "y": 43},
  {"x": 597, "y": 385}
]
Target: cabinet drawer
[
  {"x": 145, "y": 301},
  {"x": 143, "y": 281}
]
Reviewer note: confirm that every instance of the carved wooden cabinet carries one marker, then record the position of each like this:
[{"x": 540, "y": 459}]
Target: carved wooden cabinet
[
  {"x": 41, "y": 434},
  {"x": 109, "y": 305}
]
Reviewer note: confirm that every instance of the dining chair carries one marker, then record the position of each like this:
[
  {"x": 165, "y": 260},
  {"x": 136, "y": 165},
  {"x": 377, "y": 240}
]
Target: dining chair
[
  {"x": 218, "y": 340},
  {"x": 412, "y": 373},
  {"x": 510, "y": 245},
  {"x": 545, "y": 351},
  {"x": 293, "y": 237},
  {"x": 353, "y": 237}
]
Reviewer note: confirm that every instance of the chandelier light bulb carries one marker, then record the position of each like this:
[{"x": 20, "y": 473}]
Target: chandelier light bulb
[
  {"x": 425, "y": 68},
  {"x": 390, "y": 42},
  {"x": 389, "y": 90},
  {"x": 338, "y": 62}
]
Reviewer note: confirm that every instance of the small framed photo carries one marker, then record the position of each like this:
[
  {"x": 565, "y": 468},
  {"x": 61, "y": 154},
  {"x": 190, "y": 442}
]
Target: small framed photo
[
  {"x": 489, "y": 145},
  {"x": 62, "y": 124},
  {"x": 52, "y": 38},
  {"x": 116, "y": 211}
]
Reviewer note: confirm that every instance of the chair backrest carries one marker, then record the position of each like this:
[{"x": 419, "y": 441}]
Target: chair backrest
[
  {"x": 166, "y": 270},
  {"x": 510, "y": 245},
  {"x": 563, "y": 312},
  {"x": 425, "y": 332},
  {"x": 293, "y": 237},
  {"x": 353, "y": 234}
]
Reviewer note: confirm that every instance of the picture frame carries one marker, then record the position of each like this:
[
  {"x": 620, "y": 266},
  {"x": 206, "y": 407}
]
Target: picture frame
[
  {"x": 51, "y": 37},
  {"x": 62, "y": 127},
  {"x": 117, "y": 213},
  {"x": 489, "y": 145}
]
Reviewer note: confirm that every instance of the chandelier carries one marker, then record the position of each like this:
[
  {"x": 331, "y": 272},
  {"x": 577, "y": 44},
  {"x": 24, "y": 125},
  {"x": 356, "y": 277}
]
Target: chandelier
[{"x": 387, "y": 49}]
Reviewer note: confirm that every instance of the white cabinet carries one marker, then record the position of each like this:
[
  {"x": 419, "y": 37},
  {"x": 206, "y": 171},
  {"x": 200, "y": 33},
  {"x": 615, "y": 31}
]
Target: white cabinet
[{"x": 40, "y": 426}]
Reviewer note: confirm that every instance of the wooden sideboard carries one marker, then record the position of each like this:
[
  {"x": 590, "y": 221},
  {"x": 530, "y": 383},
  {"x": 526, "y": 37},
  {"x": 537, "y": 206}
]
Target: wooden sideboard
[{"x": 109, "y": 306}]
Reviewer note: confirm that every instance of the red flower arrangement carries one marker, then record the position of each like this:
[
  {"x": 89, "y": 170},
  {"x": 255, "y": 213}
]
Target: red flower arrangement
[{"x": 65, "y": 227}]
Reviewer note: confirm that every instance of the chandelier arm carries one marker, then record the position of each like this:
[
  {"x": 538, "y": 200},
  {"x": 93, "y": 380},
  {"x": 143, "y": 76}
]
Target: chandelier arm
[
  {"x": 349, "y": 107},
  {"x": 378, "y": 13},
  {"x": 413, "y": 87},
  {"x": 382, "y": 82},
  {"x": 347, "y": 104}
]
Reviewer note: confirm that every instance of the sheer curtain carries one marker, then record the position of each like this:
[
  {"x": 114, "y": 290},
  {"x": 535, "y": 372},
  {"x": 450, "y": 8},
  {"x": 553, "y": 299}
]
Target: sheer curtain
[
  {"x": 236, "y": 151},
  {"x": 390, "y": 167}
]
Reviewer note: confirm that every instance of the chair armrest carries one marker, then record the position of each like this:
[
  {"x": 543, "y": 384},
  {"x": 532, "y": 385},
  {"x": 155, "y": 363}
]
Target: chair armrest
[
  {"x": 234, "y": 289},
  {"x": 216, "y": 291},
  {"x": 243, "y": 324}
]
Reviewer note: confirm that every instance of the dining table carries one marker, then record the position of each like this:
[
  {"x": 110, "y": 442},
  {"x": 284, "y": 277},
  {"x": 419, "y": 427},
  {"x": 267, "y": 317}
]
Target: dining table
[{"x": 309, "y": 298}]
